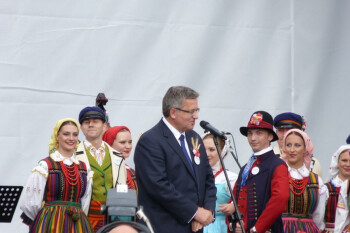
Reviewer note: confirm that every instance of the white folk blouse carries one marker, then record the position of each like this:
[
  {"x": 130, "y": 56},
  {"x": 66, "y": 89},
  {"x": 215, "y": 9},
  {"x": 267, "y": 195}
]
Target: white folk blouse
[{"x": 33, "y": 194}]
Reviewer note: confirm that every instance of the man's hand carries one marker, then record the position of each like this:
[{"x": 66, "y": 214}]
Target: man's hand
[
  {"x": 204, "y": 216},
  {"x": 196, "y": 226},
  {"x": 238, "y": 228},
  {"x": 226, "y": 208}
]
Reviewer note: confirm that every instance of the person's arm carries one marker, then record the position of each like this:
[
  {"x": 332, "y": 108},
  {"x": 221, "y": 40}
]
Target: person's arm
[
  {"x": 33, "y": 192},
  {"x": 229, "y": 208},
  {"x": 342, "y": 211},
  {"x": 210, "y": 192},
  {"x": 319, "y": 212},
  {"x": 210, "y": 188},
  {"x": 151, "y": 170},
  {"x": 85, "y": 200},
  {"x": 278, "y": 199}
]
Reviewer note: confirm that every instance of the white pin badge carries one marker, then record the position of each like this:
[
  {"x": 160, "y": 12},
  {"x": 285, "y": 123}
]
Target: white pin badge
[
  {"x": 255, "y": 170},
  {"x": 197, "y": 160}
]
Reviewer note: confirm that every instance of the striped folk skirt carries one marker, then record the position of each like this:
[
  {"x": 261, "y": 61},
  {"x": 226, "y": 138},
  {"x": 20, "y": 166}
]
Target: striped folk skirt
[
  {"x": 63, "y": 217},
  {"x": 299, "y": 225}
]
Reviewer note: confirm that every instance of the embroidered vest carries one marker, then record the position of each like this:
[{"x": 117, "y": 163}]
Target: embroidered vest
[
  {"x": 331, "y": 205},
  {"x": 258, "y": 190},
  {"x": 304, "y": 204},
  {"x": 103, "y": 178},
  {"x": 58, "y": 188}
]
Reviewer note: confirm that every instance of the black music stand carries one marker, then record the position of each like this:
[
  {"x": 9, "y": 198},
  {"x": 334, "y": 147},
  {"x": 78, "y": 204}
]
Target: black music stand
[{"x": 9, "y": 197}]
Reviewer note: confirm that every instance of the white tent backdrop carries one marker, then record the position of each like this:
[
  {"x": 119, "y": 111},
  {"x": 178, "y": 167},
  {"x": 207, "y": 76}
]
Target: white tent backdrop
[{"x": 241, "y": 56}]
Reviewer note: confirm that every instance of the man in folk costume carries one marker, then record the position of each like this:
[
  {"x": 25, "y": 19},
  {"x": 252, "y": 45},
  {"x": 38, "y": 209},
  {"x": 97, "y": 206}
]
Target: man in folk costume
[
  {"x": 107, "y": 164},
  {"x": 262, "y": 189}
]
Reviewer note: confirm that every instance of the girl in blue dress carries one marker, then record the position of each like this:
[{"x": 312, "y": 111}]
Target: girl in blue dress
[{"x": 223, "y": 208}]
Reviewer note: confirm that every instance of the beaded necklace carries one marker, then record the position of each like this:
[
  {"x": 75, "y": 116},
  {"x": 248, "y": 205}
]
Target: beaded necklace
[
  {"x": 71, "y": 173},
  {"x": 299, "y": 185}
]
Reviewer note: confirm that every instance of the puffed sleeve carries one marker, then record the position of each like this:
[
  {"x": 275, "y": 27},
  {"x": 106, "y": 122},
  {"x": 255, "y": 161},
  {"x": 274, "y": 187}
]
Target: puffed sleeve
[
  {"x": 318, "y": 214},
  {"x": 232, "y": 178},
  {"x": 342, "y": 212},
  {"x": 32, "y": 196},
  {"x": 85, "y": 200}
]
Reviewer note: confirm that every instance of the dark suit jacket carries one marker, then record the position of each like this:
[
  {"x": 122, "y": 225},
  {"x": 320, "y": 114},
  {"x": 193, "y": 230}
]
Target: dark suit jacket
[{"x": 169, "y": 191}]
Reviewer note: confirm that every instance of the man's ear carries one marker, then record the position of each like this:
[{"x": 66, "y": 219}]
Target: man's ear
[
  {"x": 270, "y": 137},
  {"x": 105, "y": 126},
  {"x": 172, "y": 113}
]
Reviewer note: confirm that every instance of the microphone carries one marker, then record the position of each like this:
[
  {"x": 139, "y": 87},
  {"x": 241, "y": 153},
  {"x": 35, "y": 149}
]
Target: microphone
[{"x": 208, "y": 127}]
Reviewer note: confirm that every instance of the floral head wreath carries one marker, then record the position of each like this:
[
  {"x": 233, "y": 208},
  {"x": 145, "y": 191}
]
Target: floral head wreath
[{"x": 53, "y": 144}]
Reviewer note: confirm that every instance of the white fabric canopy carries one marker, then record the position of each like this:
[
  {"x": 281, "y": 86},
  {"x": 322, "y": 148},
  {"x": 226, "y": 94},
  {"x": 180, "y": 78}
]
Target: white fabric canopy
[{"x": 241, "y": 56}]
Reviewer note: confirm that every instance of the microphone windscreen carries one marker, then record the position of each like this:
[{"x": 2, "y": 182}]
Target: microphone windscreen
[{"x": 203, "y": 124}]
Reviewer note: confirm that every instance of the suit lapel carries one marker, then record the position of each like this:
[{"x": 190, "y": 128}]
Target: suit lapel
[{"x": 174, "y": 144}]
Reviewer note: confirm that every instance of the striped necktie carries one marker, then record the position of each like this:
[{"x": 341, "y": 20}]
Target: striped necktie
[{"x": 247, "y": 168}]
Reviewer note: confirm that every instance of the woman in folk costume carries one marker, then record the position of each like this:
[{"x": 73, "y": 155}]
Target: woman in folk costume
[
  {"x": 284, "y": 122},
  {"x": 339, "y": 172},
  {"x": 337, "y": 214},
  {"x": 119, "y": 138},
  {"x": 56, "y": 191},
  {"x": 307, "y": 193},
  {"x": 222, "y": 189}
]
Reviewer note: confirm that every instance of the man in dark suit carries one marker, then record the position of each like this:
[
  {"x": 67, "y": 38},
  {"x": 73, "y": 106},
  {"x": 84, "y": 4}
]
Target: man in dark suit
[{"x": 176, "y": 184}]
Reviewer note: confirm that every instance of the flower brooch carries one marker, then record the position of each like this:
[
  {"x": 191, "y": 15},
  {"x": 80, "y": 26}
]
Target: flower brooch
[{"x": 196, "y": 146}]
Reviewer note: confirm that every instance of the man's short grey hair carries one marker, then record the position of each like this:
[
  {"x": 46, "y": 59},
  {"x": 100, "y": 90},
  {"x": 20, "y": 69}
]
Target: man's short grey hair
[{"x": 175, "y": 96}]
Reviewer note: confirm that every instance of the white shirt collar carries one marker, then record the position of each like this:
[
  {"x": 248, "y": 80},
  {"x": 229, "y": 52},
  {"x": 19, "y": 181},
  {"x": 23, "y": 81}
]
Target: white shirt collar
[
  {"x": 174, "y": 131},
  {"x": 337, "y": 182},
  {"x": 216, "y": 167},
  {"x": 87, "y": 144},
  {"x": 298, "y": 173},
  {"x": 263, "y": 151},
  {"x": 57, "y": 157}
]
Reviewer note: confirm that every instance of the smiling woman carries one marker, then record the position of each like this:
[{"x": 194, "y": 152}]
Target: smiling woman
[
  {"x": 57, "y": 189},
  {"x": 67, "y": 138},
  {"x": 338, "y": 191},
  {"x": 304, "y": 187},
  {"x": 119, "y": 137}
]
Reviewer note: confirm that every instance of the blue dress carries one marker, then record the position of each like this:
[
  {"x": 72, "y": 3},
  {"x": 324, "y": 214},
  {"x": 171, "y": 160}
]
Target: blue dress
[{"x": 222, "y": 197}]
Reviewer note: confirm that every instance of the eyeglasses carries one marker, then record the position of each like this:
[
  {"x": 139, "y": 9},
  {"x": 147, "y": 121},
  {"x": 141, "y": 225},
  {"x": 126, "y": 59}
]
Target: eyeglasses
[{"x": 193, "y": 111}]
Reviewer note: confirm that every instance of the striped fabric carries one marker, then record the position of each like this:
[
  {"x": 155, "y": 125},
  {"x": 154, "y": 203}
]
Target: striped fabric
[
  {"x": 331, "y": 206},
  {"x": 298, "y": 216},
  {"x": 131, "y": 178},
  {"x": 57, "y": 187},
  {"x": 62, "y": 209},
  {"x": 96, "y": 219},
  {"x": 61, "y": 216}
]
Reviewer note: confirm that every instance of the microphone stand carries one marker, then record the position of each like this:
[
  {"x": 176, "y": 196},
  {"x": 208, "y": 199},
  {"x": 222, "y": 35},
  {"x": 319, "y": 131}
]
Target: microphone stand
[
  {"x": 233, "y": 155},
  {"x": 237, "y": 212}
]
